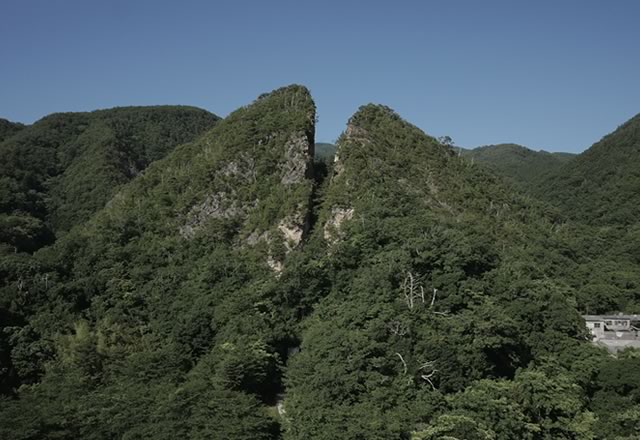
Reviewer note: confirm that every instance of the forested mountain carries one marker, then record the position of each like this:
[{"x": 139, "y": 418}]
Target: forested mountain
[
  {"x": 444, "y": 289},
  {"x": 520, "y": 165},
  {"x": 236, "y": 289},
  {"x": 55, "y": 174},
  {"x": 602, "y": 185},
  {"x": 164, "y": 316},
  {"x": 8, "y": 128},
  {"x": 60, "y": 170},
  {"x": 599, "y": 191}
]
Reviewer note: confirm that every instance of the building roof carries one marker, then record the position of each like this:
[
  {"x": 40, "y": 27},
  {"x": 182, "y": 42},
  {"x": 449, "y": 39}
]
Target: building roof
[{"x": 611, "y": 317}]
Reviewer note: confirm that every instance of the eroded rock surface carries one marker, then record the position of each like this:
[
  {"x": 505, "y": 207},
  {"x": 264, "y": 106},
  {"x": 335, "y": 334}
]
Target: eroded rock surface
[
  {"x": 218, "y": 205},
  {"x": 298, "y": 159},
  {"x": 337, "y": 218}
]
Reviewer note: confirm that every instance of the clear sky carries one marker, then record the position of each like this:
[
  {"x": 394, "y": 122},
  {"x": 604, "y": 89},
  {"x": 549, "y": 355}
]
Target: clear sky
[{"x": 555, "y": 75}]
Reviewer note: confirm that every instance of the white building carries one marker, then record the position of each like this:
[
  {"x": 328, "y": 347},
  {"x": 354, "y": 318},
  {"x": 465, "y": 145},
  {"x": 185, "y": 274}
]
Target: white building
[{"x": 616, "y": 332}]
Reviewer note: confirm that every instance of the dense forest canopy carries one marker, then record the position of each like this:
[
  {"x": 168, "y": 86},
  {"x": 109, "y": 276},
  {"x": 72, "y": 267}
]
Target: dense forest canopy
[
  {"x": 166, "y": 274},
  {"x": 600, "y": 186},
  {"x": 8, "y": 128},
  {"x": 59, "y": 171},
  {"x": 325, "y": 151},
  {"x": 521, "y": 166},
  {"x": 599, "y": 193}
]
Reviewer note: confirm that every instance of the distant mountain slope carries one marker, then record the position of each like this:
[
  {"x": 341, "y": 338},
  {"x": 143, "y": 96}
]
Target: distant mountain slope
[
  {"x": 520, "y": 165},
  {"x": 599, "y": 191},
  {"x": 325, "y": 150},
  {"x": 8, "y": 128},
  {"x": 602, "y": 185},
  {"x": 60, "y": 170}
]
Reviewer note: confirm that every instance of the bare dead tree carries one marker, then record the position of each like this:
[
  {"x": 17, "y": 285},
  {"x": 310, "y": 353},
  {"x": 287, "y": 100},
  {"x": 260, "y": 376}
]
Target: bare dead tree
[
  {"x": 412, "y": 290},
  {"x": 397, "y": 328},
  {"x": 404, "y": 364},
  {"x": 408, "y": 288},
  {"x": 433, "y": 301},
  {"x": 428, "y": 366}
]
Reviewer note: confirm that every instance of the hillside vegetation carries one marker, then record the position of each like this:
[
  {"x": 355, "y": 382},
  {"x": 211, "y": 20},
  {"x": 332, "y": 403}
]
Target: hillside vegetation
[
  {"x": 8, "y": 128},
  {"x": 520, "y": 165},
  {"x": 602, "y": 185},
  {"x": 325, "y": 151},
  {"x": 60, "y": 170},
  {"x": 163, "y": 316},
  {"x": 599, "y": 192},
  {"x": 442, "y": 288},
  {"x": 245, "y": 286}
]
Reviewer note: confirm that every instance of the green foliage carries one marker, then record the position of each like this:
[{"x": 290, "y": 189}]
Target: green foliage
[
  {"x": 449, "y": 427},
  {"x": 601, "y": 186},
  {"x": 532, "y": 406},
  {"x": 598, "y": 192},
  {"x": 440, "y": 277},
  {"x": 325, "y": 151},
  {"x": 66, "y": 166},
  {"x": 54, "y": 175},
  {"x": 171, "y": 321},
  {"x": 238, "y": 289},
  {"x": 519, "y": 165},
  {"x": 8, "y": 128}
]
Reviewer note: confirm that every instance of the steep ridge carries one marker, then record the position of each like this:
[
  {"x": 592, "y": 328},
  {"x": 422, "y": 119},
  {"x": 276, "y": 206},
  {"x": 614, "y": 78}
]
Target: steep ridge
[
  {"x": 168, "y": 308},
  {"x": 441, "y": 276},
  {"x": 520, "y": 165}
]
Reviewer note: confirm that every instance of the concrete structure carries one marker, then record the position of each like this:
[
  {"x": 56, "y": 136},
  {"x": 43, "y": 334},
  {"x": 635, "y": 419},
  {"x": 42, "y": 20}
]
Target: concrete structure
[{"x": 615, "y": 332}]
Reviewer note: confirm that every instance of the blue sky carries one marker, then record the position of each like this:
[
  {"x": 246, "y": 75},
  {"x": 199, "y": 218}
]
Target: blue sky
[{"x": 555, "y": 75}]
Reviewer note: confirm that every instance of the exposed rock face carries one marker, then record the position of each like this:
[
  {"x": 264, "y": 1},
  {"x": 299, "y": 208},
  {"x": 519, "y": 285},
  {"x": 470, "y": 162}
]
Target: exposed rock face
[
  {"x": 275, "y": 265},
  {"x": 256, "y": 170},
  {"x": 222, "y": 204},
  {"x": 218, "y": 205},
  {"x": 298, "y": 159},
  {"x": 293, "y": 229},
  {"x": 356, "y": 134},
  {"x": 332, "y": 226},
  {"x": 243, "y": 168},
  {"x": 338, "y": 168},
  {"x": 255, "y": 237}
]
